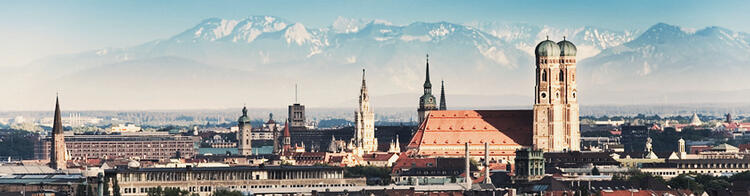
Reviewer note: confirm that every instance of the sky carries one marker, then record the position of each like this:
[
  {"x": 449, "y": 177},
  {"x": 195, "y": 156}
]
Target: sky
[{"x": 31, "y": 30}]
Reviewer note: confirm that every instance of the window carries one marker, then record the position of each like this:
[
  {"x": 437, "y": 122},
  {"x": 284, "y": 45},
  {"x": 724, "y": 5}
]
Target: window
[
  {"x": 562, "y": 76},
  {"x": 544, "y": 75}
]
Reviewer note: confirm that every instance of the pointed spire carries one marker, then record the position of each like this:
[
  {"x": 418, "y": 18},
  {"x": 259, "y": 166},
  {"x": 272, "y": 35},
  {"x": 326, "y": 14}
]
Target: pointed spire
[
  {"x": 427, "y": 83},
  {"x": 286, "y": 130},
  {"x": 57, "y": 126},
  {"x": 442, "y": 96}
]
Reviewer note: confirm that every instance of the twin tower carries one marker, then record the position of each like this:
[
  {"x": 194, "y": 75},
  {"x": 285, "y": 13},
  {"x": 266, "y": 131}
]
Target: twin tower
[{"x": 556, "y": 125}]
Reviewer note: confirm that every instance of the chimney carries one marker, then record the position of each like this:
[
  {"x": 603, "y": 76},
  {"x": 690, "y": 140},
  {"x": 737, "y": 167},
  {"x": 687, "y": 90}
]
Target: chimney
[
  {"x": 468, "y": 168},
  {"x": 487, "y": 179}
]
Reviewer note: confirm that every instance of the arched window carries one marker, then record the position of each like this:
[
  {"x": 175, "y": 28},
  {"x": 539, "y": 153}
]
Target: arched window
[
  {"x": 562, "y": 76},
  {"x": 544, "y": 75}
]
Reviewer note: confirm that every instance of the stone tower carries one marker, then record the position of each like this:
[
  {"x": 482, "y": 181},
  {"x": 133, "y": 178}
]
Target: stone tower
[
  {"x": 442, "y": 96},
  {"x": 556, "y": 125},
  {"x": 364, "y": 127},
  {"x": 427, "y": 100},
  {"x": 244, "y": 135},
  {"x": 58, "y": 159}
]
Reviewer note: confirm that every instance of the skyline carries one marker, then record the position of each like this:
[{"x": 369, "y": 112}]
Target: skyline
[{"x": 72, "y": 27}]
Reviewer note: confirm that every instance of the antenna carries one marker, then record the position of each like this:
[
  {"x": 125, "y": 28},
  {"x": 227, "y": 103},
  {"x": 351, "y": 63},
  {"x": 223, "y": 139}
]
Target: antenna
[{"x": 295, "y": 93}]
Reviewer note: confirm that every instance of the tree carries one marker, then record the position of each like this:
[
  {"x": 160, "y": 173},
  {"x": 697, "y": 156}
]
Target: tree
[
  {"x": 226, "y": 193},
  {"x": 106, "y": 186},
  {"x": 81, "y": 190},
  {"x": 686, "y": 181},
  {"x": 595, "y": 171},
  {"x": 116, "y": 188}
]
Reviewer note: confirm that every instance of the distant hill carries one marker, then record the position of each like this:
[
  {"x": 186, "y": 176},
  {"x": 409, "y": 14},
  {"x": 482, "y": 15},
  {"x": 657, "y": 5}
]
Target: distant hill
[{"x": 222, "y": 63}]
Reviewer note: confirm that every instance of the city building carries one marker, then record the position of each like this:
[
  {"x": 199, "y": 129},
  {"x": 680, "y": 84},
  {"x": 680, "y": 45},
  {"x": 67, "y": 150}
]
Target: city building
[
  {"x": 364, "y": 124},
  {"x": 297, "y": 116},
  {"x": 529, "y": 165},
  {"x": 427, "y": 100},
  {"x": 147, "y": 145},
  {"x": 244, "y": 134},
  {"x": 444, "y": 133},
  {"x": 251, "y": 179},
  {"x": 124, "y": 128}
]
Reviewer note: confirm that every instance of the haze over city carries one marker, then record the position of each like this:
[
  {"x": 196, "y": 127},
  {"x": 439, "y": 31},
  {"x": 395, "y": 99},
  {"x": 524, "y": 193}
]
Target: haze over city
[
  {"x": 219, "y": 55},
  {"x": 501, "y": 98}
]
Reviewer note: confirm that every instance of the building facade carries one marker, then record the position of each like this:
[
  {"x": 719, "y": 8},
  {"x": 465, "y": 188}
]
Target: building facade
[
  {"x": 140, "y": 145},
  {"x": 244, "y": 134},
  {"x": 206, "y": 180},
  {"x": 297, "y": 115},
  {"x": 556, "y": 126},
  {"x": 427, "y": 101},
  {"x": 364, "y": 127}
]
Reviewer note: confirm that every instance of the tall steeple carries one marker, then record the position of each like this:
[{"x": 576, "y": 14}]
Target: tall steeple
[
  {"x": 364, "y": 127},
  {"x": 427, "y": 85},
  {"x": 57, "y": 158},
  {"x": 427, "y": 100},
  {"x": 442, "y": 95}
]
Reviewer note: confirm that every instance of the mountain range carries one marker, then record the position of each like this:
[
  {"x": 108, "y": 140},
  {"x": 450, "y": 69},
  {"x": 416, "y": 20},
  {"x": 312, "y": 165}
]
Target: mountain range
[{"x": 258, "y": 60}]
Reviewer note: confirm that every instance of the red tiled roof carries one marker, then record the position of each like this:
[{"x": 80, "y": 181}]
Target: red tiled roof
[
  {"x": 377, "y": 156},
  {"x": 456, "y": 127},
  {"x": 286, "y": 130}
]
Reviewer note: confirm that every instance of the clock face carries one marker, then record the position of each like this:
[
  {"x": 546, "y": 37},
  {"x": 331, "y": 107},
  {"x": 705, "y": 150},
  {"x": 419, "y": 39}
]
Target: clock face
[{"x": 543, "y": 95}]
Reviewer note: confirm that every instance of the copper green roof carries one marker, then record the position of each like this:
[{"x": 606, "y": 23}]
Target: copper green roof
[
  {"x": 567, "y": 48},
  {"x": 547, "y": 48}
]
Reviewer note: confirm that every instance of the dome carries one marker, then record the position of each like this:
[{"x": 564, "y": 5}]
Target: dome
[
  {"x": 547, "y": 48},
  {"x": 567, "y": 48},
  {"x": 244, "y": 118}
]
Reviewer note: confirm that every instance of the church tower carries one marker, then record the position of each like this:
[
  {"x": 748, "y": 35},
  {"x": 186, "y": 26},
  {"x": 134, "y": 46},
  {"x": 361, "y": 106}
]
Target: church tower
[
  {"x": 58, "y": 159},
  {"x": 556, "y": 125},
  {"x": 442, "y": 96},
  {"x": 244, "y": 135},
  {"x": 364, "y": 128},
  {"x": 427, "y": 100}
]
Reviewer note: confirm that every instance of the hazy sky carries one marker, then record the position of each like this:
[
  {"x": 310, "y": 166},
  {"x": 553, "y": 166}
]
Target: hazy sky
[{"x": 35, "y": 29}]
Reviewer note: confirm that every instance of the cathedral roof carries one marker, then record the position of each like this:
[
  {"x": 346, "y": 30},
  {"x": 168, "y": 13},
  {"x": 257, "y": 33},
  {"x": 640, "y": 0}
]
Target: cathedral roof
[
  {"x": 567, "y": 48},
  {"x": 547, "y": 48},
  {"x": 510, "y": 128}
]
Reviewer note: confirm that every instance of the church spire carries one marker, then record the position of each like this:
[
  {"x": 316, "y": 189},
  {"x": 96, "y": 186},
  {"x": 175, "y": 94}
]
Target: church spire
[
  {"x": 427, "y": 84},
  {"x": 58, "y": 159},
  {"x": 57, "y": 126},
  {"x": 363, "y": 91},
  {"x": 442, "y": 96}
]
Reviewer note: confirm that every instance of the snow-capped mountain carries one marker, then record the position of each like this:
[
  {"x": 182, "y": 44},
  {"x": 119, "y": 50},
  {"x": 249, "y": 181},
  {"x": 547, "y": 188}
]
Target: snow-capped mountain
[
  {"x": 256, "y": 60},
  {"x": 589, "y": 40}
]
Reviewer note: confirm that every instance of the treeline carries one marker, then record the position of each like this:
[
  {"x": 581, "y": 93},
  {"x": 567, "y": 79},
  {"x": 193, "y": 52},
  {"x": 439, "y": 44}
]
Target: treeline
[{"x": 17, "y": 143}]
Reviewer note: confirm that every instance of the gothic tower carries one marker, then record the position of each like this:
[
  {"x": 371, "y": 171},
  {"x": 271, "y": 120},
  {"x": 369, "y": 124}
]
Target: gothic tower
[
  {"x": 555, "y": 106},
  {"x": 364, "y": 128},
  {"x": 58, "y": 160},
  {"x": 244, "y": 136},
  {"x": 427, "y": 100},
  {"x": 286, "y": 138},
  {"x": 442, "y": 96}
]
